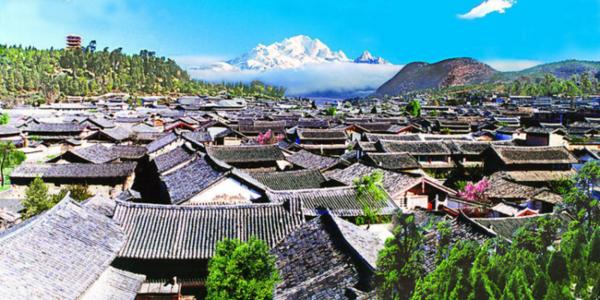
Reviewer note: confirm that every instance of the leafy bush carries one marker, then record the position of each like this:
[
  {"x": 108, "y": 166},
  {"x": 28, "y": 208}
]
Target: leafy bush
[{"x": 241, "y": 270}]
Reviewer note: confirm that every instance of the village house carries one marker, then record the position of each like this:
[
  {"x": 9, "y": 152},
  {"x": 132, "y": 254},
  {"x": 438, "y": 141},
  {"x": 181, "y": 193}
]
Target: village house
[
  {"x": 164, "y": 242},
  {"x": 322, "y": 141},
  {"x": 106, "y": 179},
  {"x": 532, "y": 165},
  {"x": 253, "y": 158}
]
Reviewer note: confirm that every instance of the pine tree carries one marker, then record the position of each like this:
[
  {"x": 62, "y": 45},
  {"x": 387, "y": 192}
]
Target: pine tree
[
  {"x": 36, "y": 198},
  {"x": 557, "y": 268},
  {"x": 517, "y": 287},
  {"x": 400, "y": 263}
]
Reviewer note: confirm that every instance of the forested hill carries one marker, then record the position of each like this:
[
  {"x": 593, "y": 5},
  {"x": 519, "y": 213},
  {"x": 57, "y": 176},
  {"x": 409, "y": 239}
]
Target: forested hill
[{"x": 52, "y": 74}]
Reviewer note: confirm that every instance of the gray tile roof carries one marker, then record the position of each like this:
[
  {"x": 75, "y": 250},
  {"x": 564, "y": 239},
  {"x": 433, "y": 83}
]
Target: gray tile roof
[
  {"x": 161, "y": 142},
  {"x": 309, "y": 160},
  {"x": 60, "y": 128},
  {"x": 97, "y": 154},
  {"x": 186, "y": 182},
  {"x": 392, "y": 161},
  {"x": 392, "y": 181},
  {"x": 117, "y": 133},
  {"x": 58, "y": 254},
  {"x": 9, "y": 130},
  {"x": 291, "y": 180},
  {"x": 129, "y": 152},
  {"x": 374, "y": 137},
  {"x": 237, "y": 154},
  {"x": 74, "y": 170},
  {"x": 192, "y": 232},
  {"x": 175, "y": 157},
  {"x": 414, "y": 148},
  {"x": 321, "y": 134},
  {"x": 365, "y": 244},
  {"x": 534, "y": 155},
  {"x": 115, "y": 284},
  {"x": 312, "y": 266},
  {"x": 341, "y": 201}
]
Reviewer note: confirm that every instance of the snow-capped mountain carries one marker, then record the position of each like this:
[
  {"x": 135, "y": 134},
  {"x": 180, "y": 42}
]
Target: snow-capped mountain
[
  {"x": 304, "y": 66},
  {"x": 367, "y": 58},
  {"x": 290, "y": 53}
]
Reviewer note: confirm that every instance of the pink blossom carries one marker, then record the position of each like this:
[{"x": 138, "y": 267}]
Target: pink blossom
[{"x": 475, "y": 192}]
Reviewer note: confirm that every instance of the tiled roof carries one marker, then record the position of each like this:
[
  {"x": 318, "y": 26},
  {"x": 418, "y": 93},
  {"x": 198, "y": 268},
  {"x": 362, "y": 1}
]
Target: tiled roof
[
  {"x": 74, "y": 170},
  {"x": 534, "y": 155},
  {"x": 291, "y": 180},
  {"x": 236, "y": 154},
  {"x": 414, "y": 148},
  {"x": 374, "y": 137},
  {"x": 9, "y": 130},
  {"x": 117, "y": 133},
  {"x": 161, "y": 142},
  {"x": 321, "y": 134},
  {"x": 33, "y": 128},
  {"x": 97, "y": 154},
  {"x": 392, "y": 181},
  {"x": 115, "y": 284},
  {"x": 309, "y": 160},
  {"x": 311, "y": 264},
  {"x": 175, "y": 157},
  {"x": 192, "y": 232},
  {"x": 128, "y": 151},
  {"x": 341, "y": 201},
  {"x": 392, "y": 161},
  {"x": 58, "y": 254},
  {"x": 363, "y": 243},
  {"x": 189, "y": 180}
]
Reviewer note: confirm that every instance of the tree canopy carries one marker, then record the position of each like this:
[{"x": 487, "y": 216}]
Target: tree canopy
[
  {"x": 241, "y": 270},
  {"x": 55, "y": 73}
]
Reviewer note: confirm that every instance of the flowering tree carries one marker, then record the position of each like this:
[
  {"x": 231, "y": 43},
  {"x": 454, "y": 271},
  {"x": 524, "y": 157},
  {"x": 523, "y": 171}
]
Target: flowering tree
[
  {"x": 475, "y": 192},
  {"x": 268, "y": 138}
]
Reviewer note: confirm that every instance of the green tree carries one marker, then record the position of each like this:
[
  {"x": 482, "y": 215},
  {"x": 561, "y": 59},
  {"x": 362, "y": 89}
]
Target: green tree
[
  {"x": 331, "y": 111},
  {"x": 557, "y": 268},
  {"x": 241, "y": 270},
  {"x": 444, "y": 231},
  {"x": 400, "y": 262},
  {"x": 517, "y": 287},
  {"x": 36, "y": 198},
  {"x": 76, "y": 192},
  {"x": 414, "y": 108},
  {"x": 370, "y": 194},
  {"x": 4, "y": 118},
  {"x": 10, "y": 157}
]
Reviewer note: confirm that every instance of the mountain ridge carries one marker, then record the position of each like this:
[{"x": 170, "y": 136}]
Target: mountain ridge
[
  {"x": 464, "y": 71},
  {"x": 445, "y": 73}
]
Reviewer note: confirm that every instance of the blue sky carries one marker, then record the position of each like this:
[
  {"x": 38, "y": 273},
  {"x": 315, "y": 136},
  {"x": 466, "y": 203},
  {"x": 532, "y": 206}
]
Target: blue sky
[{"x": 400, "y": 31}]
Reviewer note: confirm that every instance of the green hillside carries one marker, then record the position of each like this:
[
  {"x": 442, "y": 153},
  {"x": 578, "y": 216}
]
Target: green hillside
[{"x": 49, "y": 75}]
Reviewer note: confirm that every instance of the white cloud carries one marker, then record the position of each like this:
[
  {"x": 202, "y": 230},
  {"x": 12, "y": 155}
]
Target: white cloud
[
  {"x": 488, "y": 7},
  {"x": 327, "y": 77},
  {"x": 508, "y": 65},
  {"x": 198, "y": 60}
]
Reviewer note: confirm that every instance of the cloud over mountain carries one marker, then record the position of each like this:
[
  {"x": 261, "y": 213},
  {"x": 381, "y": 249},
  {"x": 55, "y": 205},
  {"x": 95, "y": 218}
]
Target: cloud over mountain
[
  {"x": 341, "y": 77},
  {"x": 487, "y": 7}
]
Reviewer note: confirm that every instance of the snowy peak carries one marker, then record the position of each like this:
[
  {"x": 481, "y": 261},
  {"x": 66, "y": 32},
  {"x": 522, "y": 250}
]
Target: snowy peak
[
  {"x": 367, "y": 58},
  {"x": 290, "y": 53}
]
